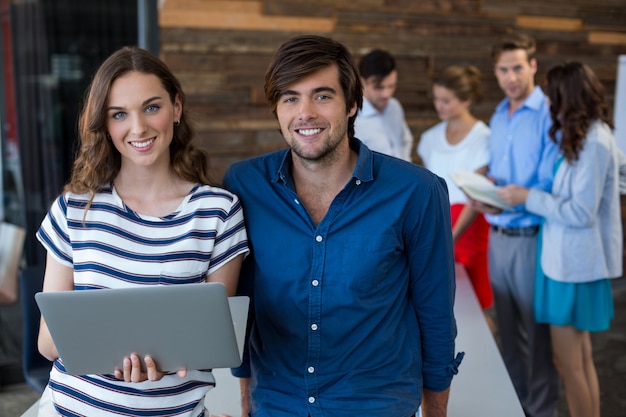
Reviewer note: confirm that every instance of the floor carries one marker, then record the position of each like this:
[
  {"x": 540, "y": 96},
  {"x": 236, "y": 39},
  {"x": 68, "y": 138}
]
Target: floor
[{"x": 609, "y": 354}]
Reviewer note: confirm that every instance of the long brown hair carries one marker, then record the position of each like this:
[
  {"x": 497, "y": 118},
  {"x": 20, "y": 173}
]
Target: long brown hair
[
  {"x": 97, "y": 161},
  {"x": 576, "y": 100},
  {"x": 303, "y": 55}
]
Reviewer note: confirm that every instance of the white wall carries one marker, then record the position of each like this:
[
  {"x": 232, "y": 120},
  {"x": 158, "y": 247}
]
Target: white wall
[{"x": 619, "y": 114}]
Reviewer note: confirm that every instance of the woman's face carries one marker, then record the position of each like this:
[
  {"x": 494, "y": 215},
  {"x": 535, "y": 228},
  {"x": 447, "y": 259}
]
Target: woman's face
[
  {"x": 447, "y": 104},
  {"x": 140, "y": 119}
]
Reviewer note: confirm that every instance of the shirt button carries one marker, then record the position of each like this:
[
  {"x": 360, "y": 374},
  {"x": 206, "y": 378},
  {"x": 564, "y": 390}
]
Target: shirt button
[
  {"x": 311, "y": 369},
  {"x": 311, "y": 400},
  {"x": 315, "y": 283},
  {"x": 314, "y": 327},
  {"x": 319, "y": 238},
  {"x": 358, "y": 182},
  {"x": 295, "y": 200}
]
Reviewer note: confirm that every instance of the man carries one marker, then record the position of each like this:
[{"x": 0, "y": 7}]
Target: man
[
  {"x": 521, "y": 153},
  {"x": 351, "y": 257},
  {"x": 380, "y": 123}
]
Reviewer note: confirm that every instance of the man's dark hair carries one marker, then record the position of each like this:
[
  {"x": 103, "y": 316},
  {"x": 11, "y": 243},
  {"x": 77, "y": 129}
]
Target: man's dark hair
[
  {"x": 304, "y": 55},
  {"x": 378, "y": 64}
]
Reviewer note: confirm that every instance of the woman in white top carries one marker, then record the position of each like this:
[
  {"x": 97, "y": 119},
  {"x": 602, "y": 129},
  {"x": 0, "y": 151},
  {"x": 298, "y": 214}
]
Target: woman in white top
[
  {"x": 581, "y": 245},
  {"x": 460, "y": 142}
]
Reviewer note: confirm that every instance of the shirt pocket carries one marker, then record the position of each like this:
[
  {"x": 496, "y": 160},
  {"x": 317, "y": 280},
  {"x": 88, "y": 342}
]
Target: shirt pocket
[{"x": 367, "y": 260}]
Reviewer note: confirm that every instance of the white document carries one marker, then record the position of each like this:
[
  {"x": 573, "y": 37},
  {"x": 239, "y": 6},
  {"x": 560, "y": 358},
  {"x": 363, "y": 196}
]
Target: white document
[{"x": 479, "y": 188}]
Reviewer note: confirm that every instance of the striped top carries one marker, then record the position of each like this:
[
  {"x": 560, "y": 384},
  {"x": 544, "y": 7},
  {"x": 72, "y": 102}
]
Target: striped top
[{"x": 110, "y": 246}]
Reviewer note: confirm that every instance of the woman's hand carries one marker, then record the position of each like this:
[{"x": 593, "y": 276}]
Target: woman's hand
[
  {"x": 132, "y": 371},
  {"x": 513, "y": 195}
]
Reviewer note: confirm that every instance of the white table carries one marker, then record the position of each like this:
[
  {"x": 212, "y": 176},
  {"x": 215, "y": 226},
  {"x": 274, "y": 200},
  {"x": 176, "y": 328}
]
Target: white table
[{"x": 482, "y": 387}]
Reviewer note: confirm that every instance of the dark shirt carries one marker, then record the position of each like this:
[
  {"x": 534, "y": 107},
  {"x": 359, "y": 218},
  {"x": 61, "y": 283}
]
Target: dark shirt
[{"x": 354, "y": 314}]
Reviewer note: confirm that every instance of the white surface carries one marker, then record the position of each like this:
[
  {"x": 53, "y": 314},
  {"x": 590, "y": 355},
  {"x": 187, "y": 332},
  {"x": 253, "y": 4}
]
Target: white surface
[
  {"x": 482, "y": 387},
  {"x": 32, "y": 411},
  {"x": 224, "y": 398},
  {"x": 619, "y": 114}
]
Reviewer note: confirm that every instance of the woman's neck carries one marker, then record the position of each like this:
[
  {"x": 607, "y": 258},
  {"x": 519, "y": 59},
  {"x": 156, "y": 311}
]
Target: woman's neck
[{"x": 458, "y": 127}]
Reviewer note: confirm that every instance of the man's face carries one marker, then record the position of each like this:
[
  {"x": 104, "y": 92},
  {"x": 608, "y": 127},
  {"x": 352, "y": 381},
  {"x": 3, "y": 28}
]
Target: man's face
[
  {"x": 313, "y": 118},
  {"x": 378, "y": 92},
  {"x": 516, "y": 74}
]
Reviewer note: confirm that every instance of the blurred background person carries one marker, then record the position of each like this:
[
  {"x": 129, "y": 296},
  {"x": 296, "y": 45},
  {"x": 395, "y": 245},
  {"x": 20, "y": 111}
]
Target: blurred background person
[
  {"x": 380, "y": 124},
  {"x": 461, "y": 142},
  {"x": 521, "y": 153},
  {"x": 581, "y": 244}
]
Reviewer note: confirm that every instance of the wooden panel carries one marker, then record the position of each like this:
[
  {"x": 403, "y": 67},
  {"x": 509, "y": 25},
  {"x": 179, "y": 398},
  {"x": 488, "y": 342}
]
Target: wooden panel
[
  {"x": 552, "y": 8},
  {"x": 613, "y": 38},
  {"x": 549, "y": 23},
  {"x": 466, "y": 6},
  {"x": 234, "y": 14},
  {"x": 220, "y": 50},
  {"x": 605, "y": 17},
  {"x": 420, "y": 23},
  {"x": 222, "y": 42},
  {"x": 317, "y": 8}
]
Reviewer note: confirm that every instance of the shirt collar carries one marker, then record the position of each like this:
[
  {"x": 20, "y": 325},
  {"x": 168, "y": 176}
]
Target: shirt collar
[
  {"x": 363, "y": 171},
  {"x": 534, "y": 101},
  {"x": 368, "y": 110}
]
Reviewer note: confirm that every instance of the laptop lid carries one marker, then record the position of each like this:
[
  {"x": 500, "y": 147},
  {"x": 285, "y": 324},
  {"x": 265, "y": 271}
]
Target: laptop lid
[{"x": 192, "y": 325}]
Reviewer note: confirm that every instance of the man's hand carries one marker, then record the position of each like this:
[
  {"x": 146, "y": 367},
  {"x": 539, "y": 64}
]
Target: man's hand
[
  {"x": 513, "y": 194},
  {"x": 244, "y": 384},
  {"x": 435, "y": 404}
]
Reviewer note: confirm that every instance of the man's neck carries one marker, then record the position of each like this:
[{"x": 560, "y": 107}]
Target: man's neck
[
  {"x": 515, "y": 104},
  {"x": 317, "y": 184}
]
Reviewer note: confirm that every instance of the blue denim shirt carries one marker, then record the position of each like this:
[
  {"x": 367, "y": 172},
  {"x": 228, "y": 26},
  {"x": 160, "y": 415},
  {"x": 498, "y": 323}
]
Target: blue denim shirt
[
  {"x": 355, "y": 314},
  {"x": 522, "y": 153}
]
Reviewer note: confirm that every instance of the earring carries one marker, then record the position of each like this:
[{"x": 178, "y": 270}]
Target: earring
[
  {"x": 177, "y": 123},
  {"x": 108, "y": 136}
]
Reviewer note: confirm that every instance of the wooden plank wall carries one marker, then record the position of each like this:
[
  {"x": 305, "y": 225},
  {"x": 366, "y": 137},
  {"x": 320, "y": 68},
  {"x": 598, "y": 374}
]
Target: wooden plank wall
[{"x": 220, "y": 48}]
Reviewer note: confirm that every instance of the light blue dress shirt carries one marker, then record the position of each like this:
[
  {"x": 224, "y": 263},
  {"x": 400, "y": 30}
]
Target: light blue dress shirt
[
  {"x": 354, "y": 315},
  {"x": 522, "y": 153}
]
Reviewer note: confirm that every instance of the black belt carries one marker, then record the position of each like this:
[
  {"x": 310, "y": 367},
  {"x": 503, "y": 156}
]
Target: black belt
[{"x": 516, "y": 231}]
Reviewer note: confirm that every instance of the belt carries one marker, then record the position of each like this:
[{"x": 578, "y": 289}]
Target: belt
[{"x": 516, "y": 231}]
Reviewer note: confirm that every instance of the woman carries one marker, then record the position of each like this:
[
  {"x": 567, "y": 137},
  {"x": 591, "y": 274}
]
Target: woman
[
  {"x": 138, "y": 210},
  {"x": 581, "y": 246},
  {"x": 460, "y": 142}
]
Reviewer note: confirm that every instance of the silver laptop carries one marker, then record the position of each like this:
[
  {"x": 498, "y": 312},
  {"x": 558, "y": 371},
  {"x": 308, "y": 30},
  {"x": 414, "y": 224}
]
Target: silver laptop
[{"x": 193, "y": 325}]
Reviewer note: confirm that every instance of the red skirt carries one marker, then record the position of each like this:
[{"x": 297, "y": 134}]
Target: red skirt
[{"x": 470, "y": 250}]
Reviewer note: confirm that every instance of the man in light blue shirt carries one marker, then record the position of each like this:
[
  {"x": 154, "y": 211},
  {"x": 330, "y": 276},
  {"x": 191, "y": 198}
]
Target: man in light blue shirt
[
  {"x": 351, "y": 267},
  {"x": 521, "y": 153},
  {"x": 380, "y": 124}
]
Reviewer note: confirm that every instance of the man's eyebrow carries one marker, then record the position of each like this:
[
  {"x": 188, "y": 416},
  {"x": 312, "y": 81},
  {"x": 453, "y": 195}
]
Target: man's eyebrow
[
  {"x": 324, "y": 89},
  {"x": 314, "y": 91},
  {"x": 289, "y": 93}
]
